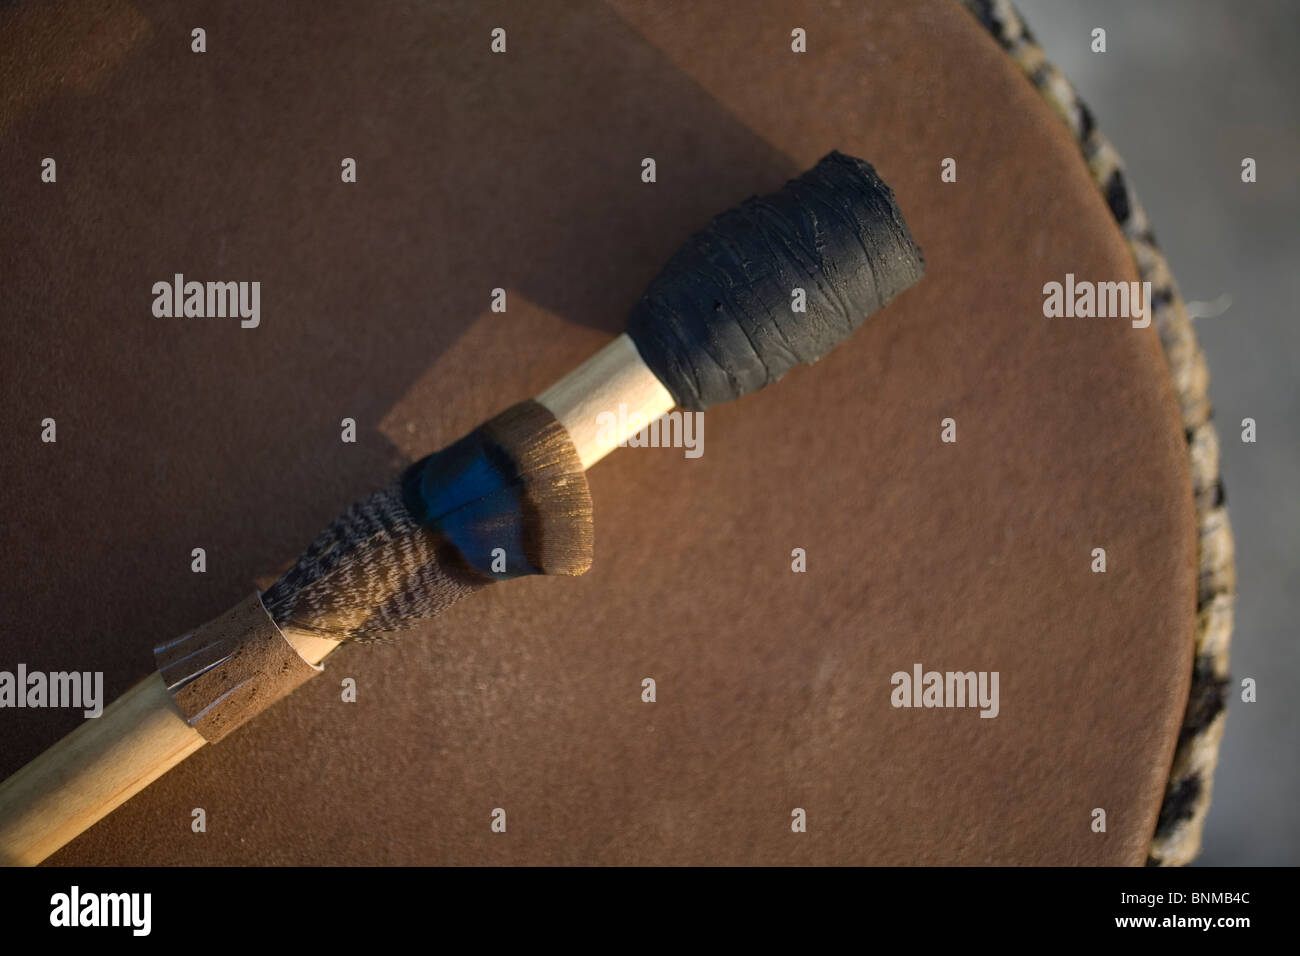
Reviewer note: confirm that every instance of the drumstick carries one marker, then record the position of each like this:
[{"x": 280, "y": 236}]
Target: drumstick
[{"x": 775, "y": 282}]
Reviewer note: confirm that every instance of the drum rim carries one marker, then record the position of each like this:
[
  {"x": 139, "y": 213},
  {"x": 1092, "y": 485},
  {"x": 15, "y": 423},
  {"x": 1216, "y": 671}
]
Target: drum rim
[{"x": 1177, "y": 836}]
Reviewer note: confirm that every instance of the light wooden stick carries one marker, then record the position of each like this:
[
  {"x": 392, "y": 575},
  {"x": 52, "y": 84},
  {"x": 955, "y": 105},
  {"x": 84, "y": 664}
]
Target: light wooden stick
[
  {"x": 141, "y": 735},
  {"x": 615, "y": 375}
]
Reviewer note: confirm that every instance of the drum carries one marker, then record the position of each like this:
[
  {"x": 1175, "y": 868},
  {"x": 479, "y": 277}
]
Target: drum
[{"x": 959, "y": 594}]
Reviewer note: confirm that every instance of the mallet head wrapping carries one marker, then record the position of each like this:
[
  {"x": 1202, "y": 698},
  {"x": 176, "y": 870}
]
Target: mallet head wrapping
[{"x": 720, "y": 320}]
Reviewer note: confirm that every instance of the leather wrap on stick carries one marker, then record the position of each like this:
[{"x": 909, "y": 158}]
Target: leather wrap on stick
[
  {"x": 513, "y": 489},
  {"x": 508, "y": 499},
  {"x": 231, "y": 669}
]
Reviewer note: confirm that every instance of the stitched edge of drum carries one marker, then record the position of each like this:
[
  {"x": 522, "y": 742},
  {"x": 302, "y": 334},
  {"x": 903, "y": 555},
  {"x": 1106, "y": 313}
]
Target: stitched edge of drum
[{"x": 1177, "y": 837}]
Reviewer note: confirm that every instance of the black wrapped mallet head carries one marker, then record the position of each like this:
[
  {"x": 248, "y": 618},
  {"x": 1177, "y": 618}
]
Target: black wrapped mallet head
[{"x": 720, "y": 320}]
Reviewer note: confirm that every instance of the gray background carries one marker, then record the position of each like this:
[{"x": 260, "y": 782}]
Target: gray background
[{"x": 1186, "y": 89}]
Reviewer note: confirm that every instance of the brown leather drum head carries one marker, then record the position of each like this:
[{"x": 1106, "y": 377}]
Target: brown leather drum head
[{"x": 523, "y": 171}]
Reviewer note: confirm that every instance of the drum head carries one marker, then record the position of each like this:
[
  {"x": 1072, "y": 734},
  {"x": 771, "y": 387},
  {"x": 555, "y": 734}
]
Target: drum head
[{"x": 774, "y": 690}]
